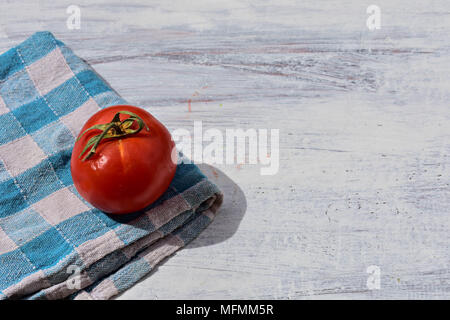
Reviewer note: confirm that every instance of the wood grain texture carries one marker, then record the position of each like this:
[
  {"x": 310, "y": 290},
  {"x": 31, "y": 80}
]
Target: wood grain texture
[{"x": 364, "y": 135}]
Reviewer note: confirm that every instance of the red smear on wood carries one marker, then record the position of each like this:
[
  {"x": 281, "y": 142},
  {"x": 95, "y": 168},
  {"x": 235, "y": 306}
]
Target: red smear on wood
[{"x": 189, "y": 105}]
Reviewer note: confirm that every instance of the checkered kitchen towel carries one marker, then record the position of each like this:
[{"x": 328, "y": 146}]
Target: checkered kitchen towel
[{"x": 51, "y": 240}]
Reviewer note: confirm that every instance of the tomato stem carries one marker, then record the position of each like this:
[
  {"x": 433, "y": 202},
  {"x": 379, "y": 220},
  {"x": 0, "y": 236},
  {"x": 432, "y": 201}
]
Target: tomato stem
[{"x": 114, "y": 129}]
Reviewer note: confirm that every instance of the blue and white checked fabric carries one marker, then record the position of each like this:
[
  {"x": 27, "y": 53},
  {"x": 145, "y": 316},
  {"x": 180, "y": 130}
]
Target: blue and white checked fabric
[{"x": 47, "y": 231}]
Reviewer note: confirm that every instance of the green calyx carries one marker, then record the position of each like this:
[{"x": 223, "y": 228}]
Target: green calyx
[{"x": 113, "y": 129}]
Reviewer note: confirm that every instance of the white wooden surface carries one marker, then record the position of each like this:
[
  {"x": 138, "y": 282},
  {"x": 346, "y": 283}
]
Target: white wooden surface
[{"x": 364, "y": 135}]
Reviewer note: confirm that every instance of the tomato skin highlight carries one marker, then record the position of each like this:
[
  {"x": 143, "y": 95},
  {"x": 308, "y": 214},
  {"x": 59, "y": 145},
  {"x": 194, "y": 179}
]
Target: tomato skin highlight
[{"x": 125, "y": 174}]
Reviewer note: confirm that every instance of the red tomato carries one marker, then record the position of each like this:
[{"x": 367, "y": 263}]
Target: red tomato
[{"x": 128, "y": 163}]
